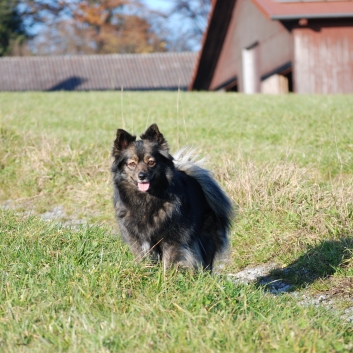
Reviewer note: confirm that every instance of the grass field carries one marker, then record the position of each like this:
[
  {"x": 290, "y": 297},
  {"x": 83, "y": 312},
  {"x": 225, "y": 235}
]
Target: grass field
[{"x": 286, "y": 162}]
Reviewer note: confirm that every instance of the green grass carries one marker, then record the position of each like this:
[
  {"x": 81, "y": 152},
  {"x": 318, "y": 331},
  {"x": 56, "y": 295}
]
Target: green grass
[
  {"x": 79, "y": 291},
  {"x": 286, "y": 162}
]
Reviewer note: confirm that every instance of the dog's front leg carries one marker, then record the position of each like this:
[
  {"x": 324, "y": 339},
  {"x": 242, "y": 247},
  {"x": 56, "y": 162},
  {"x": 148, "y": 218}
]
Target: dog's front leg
[
  {"x": 144, "y": 251},
  {"x": 180, "y": 256}
]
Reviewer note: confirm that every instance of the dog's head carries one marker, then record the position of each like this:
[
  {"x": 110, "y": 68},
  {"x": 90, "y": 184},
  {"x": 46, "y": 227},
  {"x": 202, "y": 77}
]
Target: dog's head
[{"x": 145, "y": 163}]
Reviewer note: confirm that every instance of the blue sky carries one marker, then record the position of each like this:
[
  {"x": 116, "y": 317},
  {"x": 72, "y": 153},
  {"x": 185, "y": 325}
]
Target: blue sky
[
  {"x": 158, "y": 4},
  {"x": 178, "y": 25}
]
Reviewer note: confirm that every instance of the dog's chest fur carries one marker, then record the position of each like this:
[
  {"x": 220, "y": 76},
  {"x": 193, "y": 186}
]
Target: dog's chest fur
[{"x": 144, "y": 215}]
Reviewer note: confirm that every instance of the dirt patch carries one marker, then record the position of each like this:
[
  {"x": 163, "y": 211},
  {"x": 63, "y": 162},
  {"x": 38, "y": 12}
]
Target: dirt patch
[
  {"x": 57, "y": 214},
  {"x": 262, "y": 275}
]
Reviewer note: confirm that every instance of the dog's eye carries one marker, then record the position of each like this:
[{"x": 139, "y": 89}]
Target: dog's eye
[
  {"x": 151, "y": 163},
  {"x": 132, "y": 164}
]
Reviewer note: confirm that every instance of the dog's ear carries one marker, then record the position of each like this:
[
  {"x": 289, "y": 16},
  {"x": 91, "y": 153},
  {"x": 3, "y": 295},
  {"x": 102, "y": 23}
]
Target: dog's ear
[
  {"x": 153, "y": 134},
  {"x": 123, "y": 139}
]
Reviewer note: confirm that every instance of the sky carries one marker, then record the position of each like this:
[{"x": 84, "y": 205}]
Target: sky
[
  {"x": 158, "y": 4},
  {"x": 177, "y": 24}
]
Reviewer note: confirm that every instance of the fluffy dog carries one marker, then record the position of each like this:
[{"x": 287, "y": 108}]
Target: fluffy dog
[{"x": 168, "y": 209}]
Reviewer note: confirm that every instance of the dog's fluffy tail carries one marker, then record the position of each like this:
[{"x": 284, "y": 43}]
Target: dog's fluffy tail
[{"x": 186, "y": 161}]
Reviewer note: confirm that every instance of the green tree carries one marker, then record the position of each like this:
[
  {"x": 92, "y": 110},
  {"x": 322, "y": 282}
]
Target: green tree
[{"x": 11, "y": 26}]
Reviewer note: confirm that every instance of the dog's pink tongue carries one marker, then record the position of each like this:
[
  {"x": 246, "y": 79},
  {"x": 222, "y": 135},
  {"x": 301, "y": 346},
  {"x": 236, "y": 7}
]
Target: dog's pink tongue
[{"x": 143, "y": 186}]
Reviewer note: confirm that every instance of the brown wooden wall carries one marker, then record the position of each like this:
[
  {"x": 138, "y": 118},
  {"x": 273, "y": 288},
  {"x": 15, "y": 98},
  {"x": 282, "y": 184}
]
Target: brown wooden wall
[
  {"x": 323, "y": 55},
  {"x": 249, "y": 25}
]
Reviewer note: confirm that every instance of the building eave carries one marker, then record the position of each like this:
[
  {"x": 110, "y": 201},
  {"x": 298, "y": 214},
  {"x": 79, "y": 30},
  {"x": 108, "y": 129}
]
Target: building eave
[
  {"x": 310, "y": 16},
  {"x": 212, "y": 44},
  {"x": 291, "y": 10}
]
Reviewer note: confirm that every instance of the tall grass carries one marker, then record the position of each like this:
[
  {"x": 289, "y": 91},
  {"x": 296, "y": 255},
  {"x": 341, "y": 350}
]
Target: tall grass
[{"x": 80, "y": 291}]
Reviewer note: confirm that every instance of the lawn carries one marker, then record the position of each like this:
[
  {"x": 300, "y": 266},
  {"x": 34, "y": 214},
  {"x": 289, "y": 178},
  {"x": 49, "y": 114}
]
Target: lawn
[{"x": 71, "y": 285}]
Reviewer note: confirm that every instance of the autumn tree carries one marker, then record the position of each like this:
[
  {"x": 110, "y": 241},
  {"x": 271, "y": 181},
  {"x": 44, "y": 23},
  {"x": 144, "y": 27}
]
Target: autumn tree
[
  {"x": 85, "y": 27},
  {"x": 117, "y": 26},
  {"x": 102, "y": 26}
]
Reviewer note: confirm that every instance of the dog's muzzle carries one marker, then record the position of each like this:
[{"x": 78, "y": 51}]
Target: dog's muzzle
[{"x": 143, "y": 183}]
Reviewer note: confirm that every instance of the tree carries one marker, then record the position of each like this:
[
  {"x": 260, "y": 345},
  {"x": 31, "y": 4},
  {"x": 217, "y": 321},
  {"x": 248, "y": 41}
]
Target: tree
[
  {"x": 101, "y": 26},
  {"x": 12, "y": 30},
  {"x": 84, "y": 27},
  {"x": 115, "y": 26},
  {"x": 189, "y": 19}
]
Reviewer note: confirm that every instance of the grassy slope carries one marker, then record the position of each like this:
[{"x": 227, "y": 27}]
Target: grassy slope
[
  {"x": 285, "y": 161},
  {"x": 80, "y": 291}
]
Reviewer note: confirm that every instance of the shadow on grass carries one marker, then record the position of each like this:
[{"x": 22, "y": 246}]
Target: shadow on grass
[{"x": 318, "y": 262}]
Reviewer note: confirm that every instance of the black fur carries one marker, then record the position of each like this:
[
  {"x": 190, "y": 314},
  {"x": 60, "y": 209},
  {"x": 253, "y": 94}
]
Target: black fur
[{"x": 169, "y": 210}]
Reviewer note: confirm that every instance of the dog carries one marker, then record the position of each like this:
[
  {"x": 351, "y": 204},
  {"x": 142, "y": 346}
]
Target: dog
[{"x": 168, "y": 209}]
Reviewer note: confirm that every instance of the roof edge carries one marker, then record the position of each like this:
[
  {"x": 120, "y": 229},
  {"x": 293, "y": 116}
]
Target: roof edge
[
  {"x": 211, "y": 49},
  {"x": 309, "y": 16},
  {"x": 114, "y": 55}
]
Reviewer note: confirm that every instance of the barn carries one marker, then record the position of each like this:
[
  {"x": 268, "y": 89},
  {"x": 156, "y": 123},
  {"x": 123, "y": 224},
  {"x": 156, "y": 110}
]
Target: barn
[{"x": 277, "y": 46}]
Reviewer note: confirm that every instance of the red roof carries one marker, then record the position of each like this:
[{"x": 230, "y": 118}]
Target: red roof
[{"x": 290, "y": 10}]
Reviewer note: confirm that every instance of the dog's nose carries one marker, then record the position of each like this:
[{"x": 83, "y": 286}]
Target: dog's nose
[{"x": 142, "y": 176}]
